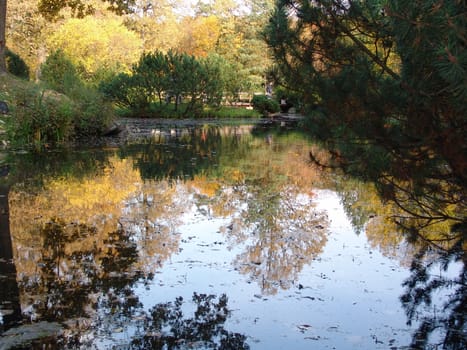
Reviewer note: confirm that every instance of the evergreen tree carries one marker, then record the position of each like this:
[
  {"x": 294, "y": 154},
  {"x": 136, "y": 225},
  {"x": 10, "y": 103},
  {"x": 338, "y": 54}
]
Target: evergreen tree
[
  {"x": 385, "y": 88},
  {"x": 389, "y": 79},
  {"x": 152, "y": 72}
]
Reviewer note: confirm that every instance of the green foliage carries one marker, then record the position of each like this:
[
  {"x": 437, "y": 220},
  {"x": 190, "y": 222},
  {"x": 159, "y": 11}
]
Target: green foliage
[
  {"x": 175, "y": 77},
  {"x": 178, "y": 80},
  {"x": 155, "y": 74},
  {"x": 222, "y": 79},
  {"x": 193, "y": 81},
  {"x": 241, "y": 44},
  {"x": 226, "y": 112},
  {"x": 44, "y": 117},
  {"x": 236, "y": 81},
  {"x": 15, "y": 65},
  {"x": 40, "y": 118},
  {"x": 65, "y": 109},
  {"x": 384, "y": 84},
  {"x": 151, "y": 72},
  {"x": 123, "y": 90},
  {"x": 92, "y": 114},
  {"x": 265, "y": 104},
  {"x": 58, "y": 72}
]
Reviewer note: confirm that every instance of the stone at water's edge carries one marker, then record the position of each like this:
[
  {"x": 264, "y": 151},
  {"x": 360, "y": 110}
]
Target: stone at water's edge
[
  {"x": 25, "y": 335},
  {"x": 4, "y": 108},
  {"x": 113, "y": 129}
]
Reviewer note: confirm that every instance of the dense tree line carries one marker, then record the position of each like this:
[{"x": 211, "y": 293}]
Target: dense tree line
[
  {"x": 173, "y": 78},
  {"x": 212, "y": 50},
  {"x": 102, "y": 36}
]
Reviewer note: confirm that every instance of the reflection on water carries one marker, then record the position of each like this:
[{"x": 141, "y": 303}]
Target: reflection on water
[
  {"x": 210, "y": 237},
  {"x": 165, "y": 326}
]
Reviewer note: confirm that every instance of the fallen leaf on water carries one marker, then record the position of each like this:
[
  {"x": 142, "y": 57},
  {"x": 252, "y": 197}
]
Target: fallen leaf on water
[{"x": 304, "y": 327}]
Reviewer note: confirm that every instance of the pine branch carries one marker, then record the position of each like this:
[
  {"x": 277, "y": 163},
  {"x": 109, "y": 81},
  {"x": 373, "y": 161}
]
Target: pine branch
[{"x": 362, "y": 47}]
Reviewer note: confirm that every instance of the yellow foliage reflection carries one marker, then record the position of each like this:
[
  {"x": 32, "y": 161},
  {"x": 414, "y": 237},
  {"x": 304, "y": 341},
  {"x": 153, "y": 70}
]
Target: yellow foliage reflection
[
  {"x": 82, "y": 242},
  {"x": 267, "y": 196},
  {"x": 75, "y": 234}
]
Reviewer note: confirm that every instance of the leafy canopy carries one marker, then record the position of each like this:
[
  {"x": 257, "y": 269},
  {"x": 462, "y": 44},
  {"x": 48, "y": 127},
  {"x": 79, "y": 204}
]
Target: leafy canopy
[
  {"x": 80, "y": 8},
  {"x": 96, "y": 44}
]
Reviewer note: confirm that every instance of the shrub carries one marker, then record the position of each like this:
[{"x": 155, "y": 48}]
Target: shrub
[
  {"x": 59, "y": 73},
  {"x": 292, "y": 97},
  {"x": 125, "y": 91},
  {"x": 45, "y": 117},
  {"x": 92, "y": 114},
  {"x": 15, "y": 65},
  {"x": 264, "y": 104},
  {"x": 41, "y": 117}
]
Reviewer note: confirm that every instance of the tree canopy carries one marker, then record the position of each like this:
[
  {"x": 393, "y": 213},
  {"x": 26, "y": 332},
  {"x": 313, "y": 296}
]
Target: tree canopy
[
  {"x": 80, "y": 8},
  {"x": 96, "y": 44},
  {"x": 50, "y": 9},
  {"x": 385, "y": 82},
  {"x": 35, "y": 29}
]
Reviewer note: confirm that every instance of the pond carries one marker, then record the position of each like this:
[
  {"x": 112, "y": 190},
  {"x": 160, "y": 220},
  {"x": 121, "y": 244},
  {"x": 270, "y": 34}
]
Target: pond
[{"x": 198, "y": 237}]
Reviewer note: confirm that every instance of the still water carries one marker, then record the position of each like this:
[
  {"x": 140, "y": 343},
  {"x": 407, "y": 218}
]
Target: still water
[{"x": 207, "y": 237}]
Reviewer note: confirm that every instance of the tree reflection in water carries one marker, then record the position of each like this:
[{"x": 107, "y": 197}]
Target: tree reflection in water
[
  {"x": 435, "y": 297},
  {"x": 429, "y": 279},
  {"x": 65, "y": 278},
  {"x": 286, "y": 234},
  {"x": 166, "y": 327},
  {"x": 81, "y": 267},
  {"x": 74, "y": 287}
]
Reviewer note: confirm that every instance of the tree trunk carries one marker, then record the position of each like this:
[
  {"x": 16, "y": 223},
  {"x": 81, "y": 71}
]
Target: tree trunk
[
  {"x": 2, "y": 35},
  {"x": 9, "y": 291}
]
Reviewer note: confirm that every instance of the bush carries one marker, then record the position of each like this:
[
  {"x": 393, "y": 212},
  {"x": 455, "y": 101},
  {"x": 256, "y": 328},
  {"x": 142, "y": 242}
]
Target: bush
[
  {"x": 292, "y": 97},
  {"x": 92, "y": 115},
  {"x": 45, "y": 117},
  {"x": 264, "y": 104},
  {"x": 125, "y": 91},
  {"x": 59, "y": 73},
  {"x": 40, "y": 118},
  {"x": 15, "y": 65}
]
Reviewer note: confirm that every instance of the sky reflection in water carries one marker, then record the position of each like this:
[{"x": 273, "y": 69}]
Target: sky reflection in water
[
  {"x": 210, "y": 238},
  {"x": 346, "y": 297}
]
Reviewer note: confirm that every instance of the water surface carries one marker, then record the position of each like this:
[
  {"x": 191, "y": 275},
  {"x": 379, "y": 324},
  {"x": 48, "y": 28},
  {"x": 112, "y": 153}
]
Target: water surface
[{"x": 221, "y": 237}]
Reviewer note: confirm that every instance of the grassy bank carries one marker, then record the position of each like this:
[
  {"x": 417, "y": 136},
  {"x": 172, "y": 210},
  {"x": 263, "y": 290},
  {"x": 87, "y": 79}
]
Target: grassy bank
[
  {"x": 9, "y": 88},
  {"x": 167, "y": 111},
  {"x": 40, "y": 117}
]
